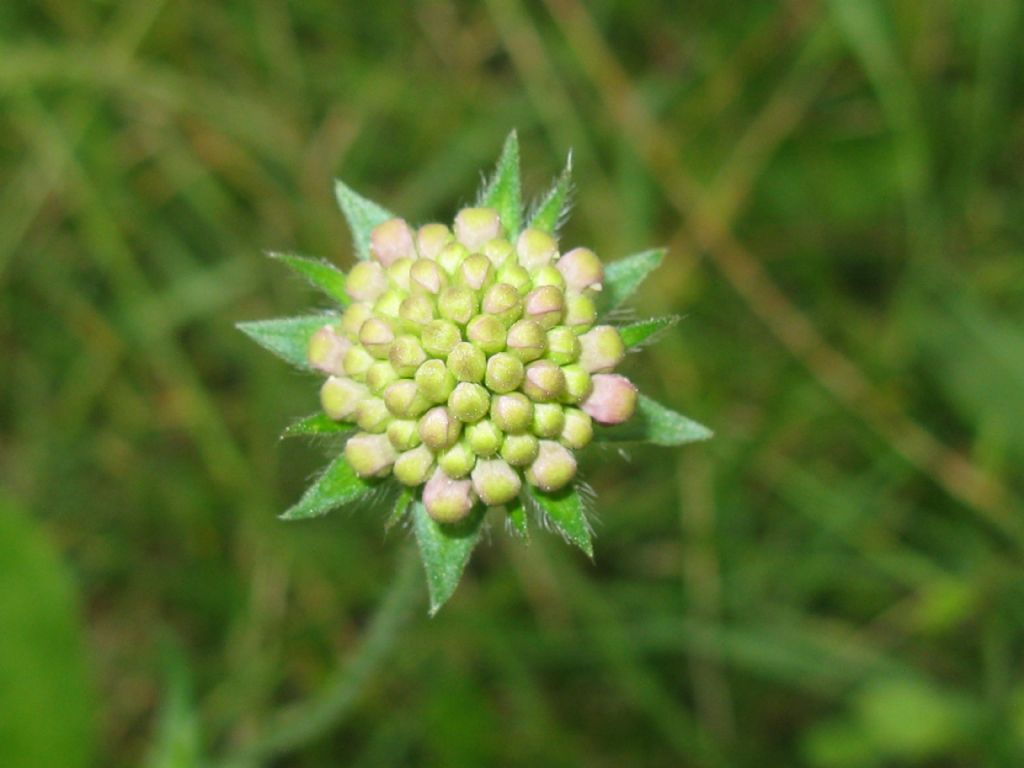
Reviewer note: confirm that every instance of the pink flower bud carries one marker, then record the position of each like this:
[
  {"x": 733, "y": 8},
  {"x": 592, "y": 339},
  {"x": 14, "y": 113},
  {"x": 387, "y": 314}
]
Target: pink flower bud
[
  {"x": 403, "y": 399},
  {"x": 426, "y": 276},
  {"x": 554, "y": 467},
  {"x": 366, "y": 281},
  {"x": 326, "y": 350},
  {"x": 535, "y": 248},
  {"x": 391, "y": 241},
  {"x": 457, "y": 461},
  {"x": 512, "y": 412},
  {"x": 381, "y": 374},
  {"x": 370, "y": 455},
  {"x": 504, "y": 373},
  {"x": 339, "y": 397},
  {"x": 544, "y": 381},
  {"x": 439, "y": 429},
  {"x": 612, "y": 400},
  {"x": 439, "y": 337},
  {"x": 495, "y": 482},
  {"x": 503, "y": 301},
  {"x": 487, "y": 332},
  {"x": 435, "y": 381},
  {"x": 526, "y": 340},
  {"x": 476, "y": 272},
  {"x": 372, "y": 415},
  {"x": 414, "y": 466},
  {"x": 475, "y": 226},
  {"x": 545, "y": 305},
  {"x": 376, "y": 336},
  {"x": 353, "y": 317},
  {"x": 581, "y": 269},
  {"x": 601, "y": 349},
  {"x": 447, "y": 500},
  {"x": 431, "y": 238}
]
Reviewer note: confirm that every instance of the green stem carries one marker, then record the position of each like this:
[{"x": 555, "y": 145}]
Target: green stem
[{"x": 302, "y": 722}]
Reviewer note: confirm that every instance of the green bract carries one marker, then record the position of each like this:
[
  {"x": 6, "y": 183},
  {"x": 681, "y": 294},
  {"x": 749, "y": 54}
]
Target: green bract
[{"x": 468, "y": 365}]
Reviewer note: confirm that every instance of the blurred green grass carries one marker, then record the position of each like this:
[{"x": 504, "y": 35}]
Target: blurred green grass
[{"x": 834, "y": 580}]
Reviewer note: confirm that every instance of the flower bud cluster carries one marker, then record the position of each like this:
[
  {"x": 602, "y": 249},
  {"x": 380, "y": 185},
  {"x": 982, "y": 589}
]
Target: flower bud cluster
[{"x": 470, "y": 363}]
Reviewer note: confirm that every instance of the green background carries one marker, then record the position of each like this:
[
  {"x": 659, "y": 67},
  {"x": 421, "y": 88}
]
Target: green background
[{"x": 834, "y": 580}]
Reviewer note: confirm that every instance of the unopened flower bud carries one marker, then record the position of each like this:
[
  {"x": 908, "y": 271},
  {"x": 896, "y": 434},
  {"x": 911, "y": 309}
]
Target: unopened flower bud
[
  {"x": 476, "y": 272},
  {"x": 439, "y": 337},
  {"x": 339, "y": 397},
  {"x": 406, "y": 355},
  {"x": 545, "y": 305},
  {"x": 484, "y": 437},
  {"x": 554, "y": 467},
  {"x": 391, "y": 241},
  {"x": 475, "y": 226},
  {"x": 512, "y": 412},
  {"x": 389, "y": 302},
  {"x": 366, "y": 281},
  {"x": 404, "y": 400},
  {"x": 431, "y": 238},
  {"x": 578, "y": 430},
  {"x": 548, "y": 420},
  {"x": 504, "y": 373},
  {"x": 451, "y": 257},
  {"x": 357, "y": 362},
  {"x": 372, "y": 415},
  {"x": 404, "y": 434},
  {"x": 503, "y": 301},
  {"x": 427, "y": 277},
  {"x": 578, "y": 385},
  {"x": 369, "y": 455},
  {"x": 520, "y": 450},
  {"x": 381, "y": 374},
  {"x": 544, "y": 381},
  {"x": 580, "y": 312},
  {"x": 457, "y": 304},
  {"x": 457, "y": 461},
  {"x": 469, "y": 402},
  {"x": 495, "y": 482},
  {"x": 601, "y": 349},
  {"x": 326, "y": 350},
  {"x": 435, "y": 381},
  {"x": 467, "y": 362},
  {"x": 376, "y": 336},
  {"x": 581, "y": 269},
  {"x": 515, "y": 275},
  {"x": 416, "y": 311},
  {"x": 439, "y": 429},
  {"x": 613, "y": 399},
  {"x": 354, "y": 317},
  {"x": 526, "y": 340},
  {"x": 447, "y": 500},
  {"x": 498, "y": 251},
  {"x": 398, "y": 273},
  {"x": 413, "y": 467},
  {"x": 536, "y": 248},
  {"x": 548, "y": 275},
  {"x": 563, "y": 346},
  {"x": 487, "y": 332}
]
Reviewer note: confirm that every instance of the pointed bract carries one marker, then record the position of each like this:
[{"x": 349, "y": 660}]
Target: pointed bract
[
  {"x": 318, "y": 423},
  {"x": 623, "y": 277},
  {"x": 319, "y": 273},
  {"x": 362, "y": 216},
  {"x": 654, "y": 423},
  {"x": 646, "y": 331},
  {"x": 503, "y": 191},
  {"x": 445, "y": 550},
  {"x": 287, "y": 337},
  {"x": 338, "y": 485},
  {"x": 565, "y": 511},
  {"x": 550, "y": 212}
]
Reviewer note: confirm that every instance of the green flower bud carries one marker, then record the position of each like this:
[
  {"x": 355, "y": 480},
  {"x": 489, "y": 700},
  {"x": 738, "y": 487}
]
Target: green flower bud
[
  {"x": 457, "y": 304},
  {"x": 398, "y": 274},
  {"x": 354, "y": 317},
  {"x": 515, "y": 275},
  {"x": 451, "y": 257},
  {"x": 503, "y": 301},
  {"x": 612, "y": 400},
  {"x": 339, "y": 397},
  {"x": 581, "y": 269},
  {"x": 526, "y": 340},
  {"x": 467, "y": 362},
  {"x": 404, "y": 434},
  {"x": 484, "y": 437},
  {"x": 370, "y": 455},
  {"x": 536, "y": 248},
  {"x": 425, "y": 276},
  {"x": 578, "y": 430},
  {"x": 545, "y": 305},
  {"x": 381, "y": 374},
  {"x": 580, "y": 312},
  {"x": 520, "y": 450},
  {"x": 601, "y": 349},
  {"x": 476, "y": 272},
  {"x": 504, "y": 373},
  {"x": 366, "y": 281},
  {"x": 391, "y": 241},
  {"x": 487, "y": 332},
  {"x": 372, "y": 415},
  {"x": 563, "y": 346},
  {"x": 435, "y": 381},
  {"x": 548, "y": 420},
  {"x": 439, "y": 337},
  {"x": 327, "y": 348},
  {"x": 498, "y": 251},
  {"x": 413, "y": 467},
  {"x": 431, "y": 238},
  {"x": 376, "y": 336},
  {"x": 416, "y": 311},
  {"x": 389, "y": 303},
  {"x": 554, "y": 467},
  {"x": 544, "y": 381},
  {"x": 439, "y": 429},
  {"x": 548, "y": 275},
  {"x": 404, "y": 400},
  {"x": 476, "y": 226},
  {"x": 406, "y": 355},
  {"x": 512, "y": 412},
  {"x": 495, "y": 482},
  {"x": 447, "y": 500},
  {"x": 577, "y": 384},
  {"x": 457, "y": 461},
  {"x": 469, "y": 402},
  {"x": 356, "y": 363}
]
